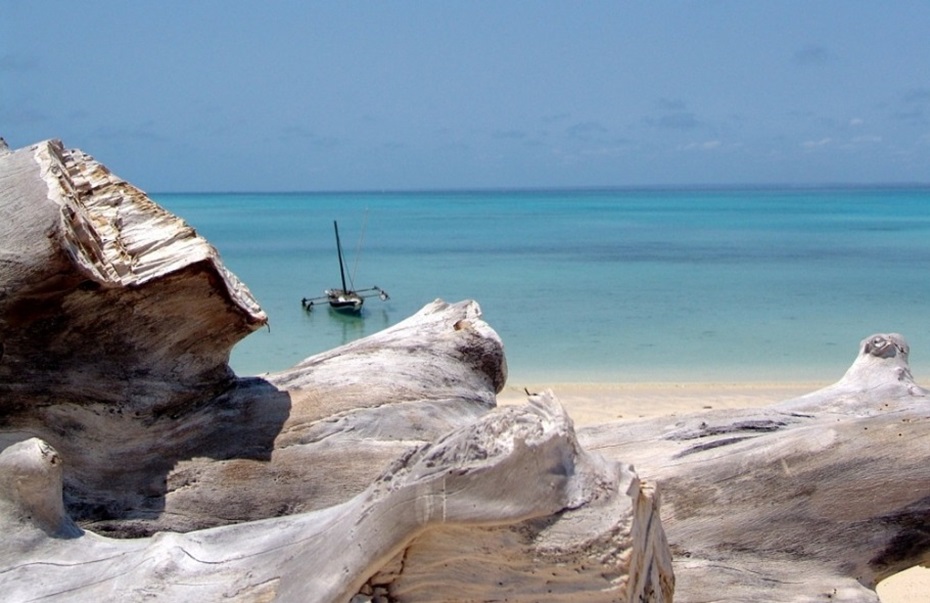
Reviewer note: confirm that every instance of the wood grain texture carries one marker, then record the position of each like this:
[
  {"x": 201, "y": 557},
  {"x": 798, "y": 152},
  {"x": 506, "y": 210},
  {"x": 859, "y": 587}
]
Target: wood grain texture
[
  {"x": 815, "y": 498},
  {"x": 136, "y": 465}
]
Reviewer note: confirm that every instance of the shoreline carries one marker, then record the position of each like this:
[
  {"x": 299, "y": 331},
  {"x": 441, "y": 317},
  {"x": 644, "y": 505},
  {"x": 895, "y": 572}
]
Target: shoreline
[{"x": 595, "y": 402}]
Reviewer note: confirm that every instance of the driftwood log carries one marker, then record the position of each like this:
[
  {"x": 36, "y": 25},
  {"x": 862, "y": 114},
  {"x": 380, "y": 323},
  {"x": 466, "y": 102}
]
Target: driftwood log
[
  {"x": 815, "y": 499},
  {"x": 136, "y": 465}
]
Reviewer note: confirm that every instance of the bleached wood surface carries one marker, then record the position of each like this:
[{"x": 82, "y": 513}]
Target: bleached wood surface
[
  {"x": 379, "y": 467},
  {"x": 814, "y": 499},
  {"x": 383, "y": 468},
  {"x": 504, "y": 492}
]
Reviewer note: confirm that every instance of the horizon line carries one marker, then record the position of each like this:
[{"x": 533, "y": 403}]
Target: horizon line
[{"x": 556, "y": 189}]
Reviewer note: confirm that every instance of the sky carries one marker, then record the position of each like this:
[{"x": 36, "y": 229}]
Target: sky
[{"x": 227, "y": 95}]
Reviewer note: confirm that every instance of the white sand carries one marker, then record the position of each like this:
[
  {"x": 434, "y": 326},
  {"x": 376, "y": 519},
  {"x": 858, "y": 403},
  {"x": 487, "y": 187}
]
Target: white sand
[{"x": 592, "y": 403}]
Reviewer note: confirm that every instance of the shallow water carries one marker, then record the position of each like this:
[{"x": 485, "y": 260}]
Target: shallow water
[{"x": 595, "y": 285}]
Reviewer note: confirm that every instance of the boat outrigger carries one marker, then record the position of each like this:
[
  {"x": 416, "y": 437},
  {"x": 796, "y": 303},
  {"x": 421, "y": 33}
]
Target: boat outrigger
[{"x": 345, "y": 300}]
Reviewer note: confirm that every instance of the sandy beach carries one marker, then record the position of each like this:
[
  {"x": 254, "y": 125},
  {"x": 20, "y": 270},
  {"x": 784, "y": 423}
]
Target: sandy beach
[{"x": 594, "y": 403}]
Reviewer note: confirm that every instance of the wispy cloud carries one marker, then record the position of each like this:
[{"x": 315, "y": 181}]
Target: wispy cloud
[
  {"x": 146, "y": 131},
  {"x": 810, "y": 145},
  {"x": 919, "y": 96},
  {"x": 914, "y": 106},
  {"x": 602, "y": 151},
  {"x": 812, "y": 54},
  {"x": 684, "y": 120},
  {"x": 14, "y": 63},
  {"x": 860, "y": 143},
  {"x": 672, "y": 114},
  {"x": 588, "y": 130},
  {"x": 554, "y": 118},
  {"x": 509, "y": 134},
  {"x": 393, "y": 145},
  {"x": 707, "y": 145},
  {"x": 671, "y": 104},
  {"x": 302, "y": 134},
  {"x": 25, "y": 115}
]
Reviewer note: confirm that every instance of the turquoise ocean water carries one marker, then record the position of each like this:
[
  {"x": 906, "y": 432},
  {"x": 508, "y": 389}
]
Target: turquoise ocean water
[{"x": 595, "y": 285}]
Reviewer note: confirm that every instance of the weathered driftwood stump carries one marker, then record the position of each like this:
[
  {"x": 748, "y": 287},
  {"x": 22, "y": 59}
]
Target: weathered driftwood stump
[
  {"x": 380, "y": 468},
  {"x": 814, "y": 499},
  {"x": 434, "y": 510}
]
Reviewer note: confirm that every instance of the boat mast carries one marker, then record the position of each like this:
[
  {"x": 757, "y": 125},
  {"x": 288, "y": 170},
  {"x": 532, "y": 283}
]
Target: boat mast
[{"x": 342, "y": 271}]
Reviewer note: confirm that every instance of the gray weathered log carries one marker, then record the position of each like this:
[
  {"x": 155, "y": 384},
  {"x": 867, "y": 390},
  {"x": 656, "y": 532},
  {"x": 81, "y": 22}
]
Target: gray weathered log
[
  {"x": 116, "y": 350},
  {"x": 517, "y": 466},
  {"x": 116, "y": 322},
  {"x": 816, "y": 498}
]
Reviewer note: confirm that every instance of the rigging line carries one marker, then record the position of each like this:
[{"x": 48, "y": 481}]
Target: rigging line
[{"x": 358, "y": 249}]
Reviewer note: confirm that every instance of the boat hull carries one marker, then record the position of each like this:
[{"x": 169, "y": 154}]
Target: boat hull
[{"x": 345, "y": 302}]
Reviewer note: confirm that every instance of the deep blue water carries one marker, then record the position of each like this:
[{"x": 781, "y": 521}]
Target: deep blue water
[{"x": 602, "y": 285}]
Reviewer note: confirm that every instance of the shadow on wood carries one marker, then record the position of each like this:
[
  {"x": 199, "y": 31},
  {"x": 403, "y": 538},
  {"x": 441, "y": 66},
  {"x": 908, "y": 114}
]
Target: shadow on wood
[{"x": 379, "y": 467}]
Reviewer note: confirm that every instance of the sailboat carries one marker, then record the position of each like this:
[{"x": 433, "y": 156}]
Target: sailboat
[{"x": 344, "y": 300}]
